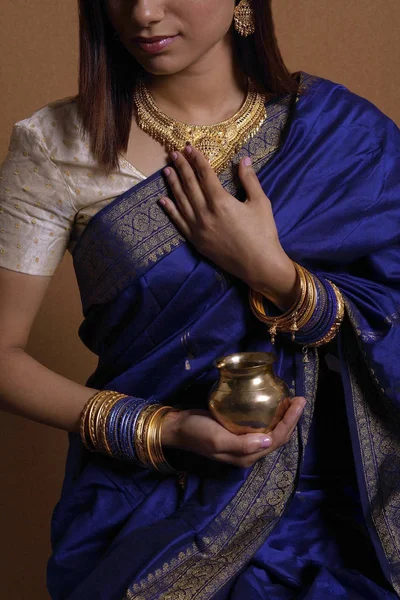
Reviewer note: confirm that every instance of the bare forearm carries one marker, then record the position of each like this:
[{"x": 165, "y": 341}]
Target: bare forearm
[{"x": 31, "y": 390}]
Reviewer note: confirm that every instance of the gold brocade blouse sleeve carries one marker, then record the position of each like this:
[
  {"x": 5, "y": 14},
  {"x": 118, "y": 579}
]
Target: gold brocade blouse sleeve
[{"x": 36, "y": 210}]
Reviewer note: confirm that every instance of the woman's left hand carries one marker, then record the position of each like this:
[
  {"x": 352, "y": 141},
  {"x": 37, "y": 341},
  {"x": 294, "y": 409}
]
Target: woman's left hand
[{"x": 240, "y": 237}]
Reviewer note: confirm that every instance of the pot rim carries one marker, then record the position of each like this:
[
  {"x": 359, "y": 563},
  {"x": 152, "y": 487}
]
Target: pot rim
[{"x": 236, "y": 362}]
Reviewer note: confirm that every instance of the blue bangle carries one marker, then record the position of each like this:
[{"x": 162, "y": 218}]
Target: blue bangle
[
  {"x": 328, "y": 318},
  {"x": 324, "y": 315},
  {"x": 129, "y": 409},
  {"x": 114, "y": 425},
  {"x": 319, "y": 311},
  {"x": 120, "y": 426},
  {"x": 124, "y": 417},
  {"x": 131, "y": 431},
  {"x": 112, "y": 430},
  {"x": 132, "y": 411}
]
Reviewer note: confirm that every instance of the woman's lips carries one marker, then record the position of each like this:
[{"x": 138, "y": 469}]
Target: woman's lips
[{"x": 154, "y": 45}]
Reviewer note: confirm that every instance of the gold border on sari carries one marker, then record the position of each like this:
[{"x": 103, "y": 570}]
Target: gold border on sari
[{"x": 378, "y": 424}]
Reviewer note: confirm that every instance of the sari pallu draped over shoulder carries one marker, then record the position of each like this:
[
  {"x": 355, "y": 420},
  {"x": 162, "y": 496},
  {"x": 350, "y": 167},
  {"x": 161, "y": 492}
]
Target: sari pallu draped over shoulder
[{"x": 157, "y": 314}]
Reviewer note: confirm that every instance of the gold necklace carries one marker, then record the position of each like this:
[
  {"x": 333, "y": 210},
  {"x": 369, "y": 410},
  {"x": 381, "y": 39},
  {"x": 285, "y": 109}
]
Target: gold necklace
[{"x": 218, "y": 142}]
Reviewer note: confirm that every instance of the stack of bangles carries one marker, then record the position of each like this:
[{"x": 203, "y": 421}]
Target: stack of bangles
[
  {"x": 313, "y": 320},
  {"x": 126, "y": 428}
]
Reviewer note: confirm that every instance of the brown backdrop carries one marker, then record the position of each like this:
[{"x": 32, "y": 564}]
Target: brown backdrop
[{"x": 351, "y": 41}]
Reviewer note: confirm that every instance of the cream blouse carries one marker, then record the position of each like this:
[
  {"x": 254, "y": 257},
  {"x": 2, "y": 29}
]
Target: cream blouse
[{"x": 50, "y": 187}]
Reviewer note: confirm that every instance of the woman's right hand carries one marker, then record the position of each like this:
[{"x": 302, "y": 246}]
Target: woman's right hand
[{"x": 197, "y": 431}]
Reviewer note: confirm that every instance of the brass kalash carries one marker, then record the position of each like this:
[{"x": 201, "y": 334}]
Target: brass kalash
[{"x": 249, "y": 397}]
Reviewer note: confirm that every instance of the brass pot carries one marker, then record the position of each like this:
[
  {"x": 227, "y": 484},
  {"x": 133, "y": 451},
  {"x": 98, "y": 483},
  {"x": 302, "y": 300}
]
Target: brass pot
[{"x": 249, "y": 397}]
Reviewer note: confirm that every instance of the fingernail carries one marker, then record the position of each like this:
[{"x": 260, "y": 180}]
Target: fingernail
[
  {"x": 167, "y": 171},
  {"x": 247, "y": 161},
  {"x": 174, "y": 155},
  {"x": 189, "y": 148},
  {"x": 163, "y": 201},
  {"x": 265, "y": 442},
  {"x": 300, "y": 408}
]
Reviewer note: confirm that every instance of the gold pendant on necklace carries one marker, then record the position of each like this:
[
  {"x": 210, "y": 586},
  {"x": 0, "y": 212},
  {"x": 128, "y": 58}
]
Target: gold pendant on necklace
[{"x": 219, "y": 143}]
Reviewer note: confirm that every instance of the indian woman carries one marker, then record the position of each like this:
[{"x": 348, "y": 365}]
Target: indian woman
[{"x": 214, "y": 204}]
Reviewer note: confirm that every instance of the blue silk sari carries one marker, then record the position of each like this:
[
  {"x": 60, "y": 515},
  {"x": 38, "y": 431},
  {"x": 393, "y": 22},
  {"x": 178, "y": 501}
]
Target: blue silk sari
[{"x": 320, "y": 516}]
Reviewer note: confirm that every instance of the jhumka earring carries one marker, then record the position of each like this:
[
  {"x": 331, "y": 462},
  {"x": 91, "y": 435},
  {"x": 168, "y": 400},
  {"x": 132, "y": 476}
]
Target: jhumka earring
[{"x": 243, "y": 18}]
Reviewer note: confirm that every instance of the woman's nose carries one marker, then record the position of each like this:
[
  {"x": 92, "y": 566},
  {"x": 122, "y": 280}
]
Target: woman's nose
[{"x": 146, "y": 12}]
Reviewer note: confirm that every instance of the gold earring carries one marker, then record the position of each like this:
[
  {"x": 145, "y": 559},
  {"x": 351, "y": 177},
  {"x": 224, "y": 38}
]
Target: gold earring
[{"x": 243, "y": 18}]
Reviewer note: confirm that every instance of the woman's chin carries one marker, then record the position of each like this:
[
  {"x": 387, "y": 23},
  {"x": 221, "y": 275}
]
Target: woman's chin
[{"x": 160, "y": 67}]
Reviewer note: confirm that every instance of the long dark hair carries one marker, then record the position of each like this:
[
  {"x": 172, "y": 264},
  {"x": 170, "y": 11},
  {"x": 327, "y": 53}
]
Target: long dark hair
[{"x": 107, "y": 75}]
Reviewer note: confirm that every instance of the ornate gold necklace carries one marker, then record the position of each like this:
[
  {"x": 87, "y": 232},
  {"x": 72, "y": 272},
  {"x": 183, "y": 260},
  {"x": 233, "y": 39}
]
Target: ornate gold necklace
[{"x": 218, "y": 142}]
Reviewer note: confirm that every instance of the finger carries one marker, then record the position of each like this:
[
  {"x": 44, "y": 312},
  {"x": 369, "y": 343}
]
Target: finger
[
  {"x": 175, "y": 215},
  {"x": 180, "y": 196},
  {"x": 189, "y": 182},
  {"x": 208, "y": 179},
  {"x": 284, "y": 429},
  {"x": 250, "y": 180}
]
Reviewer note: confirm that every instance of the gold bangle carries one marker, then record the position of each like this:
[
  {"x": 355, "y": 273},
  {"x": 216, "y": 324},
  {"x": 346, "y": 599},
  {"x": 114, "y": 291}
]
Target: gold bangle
[
  {"x": 148, "y": 419},
  {"x": 83, "y": 424},
  {"x": 89, "y": 419},
  {"x": 139, "y": 433},
  {"x": 151, "y": 447},
  {"x": 138, "y": 438},
  {"x": 97, "y": 410},
  {"x": 311, "y": 301},
  {"x": 92, "y": 417},
  {"x": 305, "y": 310},
  {"x": 288, "y": 321},
  {"x": 153, "y": 442},
  {"x": 103, "y": 415},
  {"x": 164, "y": 465},
  {"x": 257, "y": 302}
]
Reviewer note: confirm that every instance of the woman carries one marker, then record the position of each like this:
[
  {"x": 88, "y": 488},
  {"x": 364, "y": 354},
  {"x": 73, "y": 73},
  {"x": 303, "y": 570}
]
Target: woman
[{"x": 165, "y": 252}]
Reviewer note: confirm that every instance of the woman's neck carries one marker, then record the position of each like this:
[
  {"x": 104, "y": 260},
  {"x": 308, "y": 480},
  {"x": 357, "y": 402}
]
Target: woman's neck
[{"x": 209, "y": 91}]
